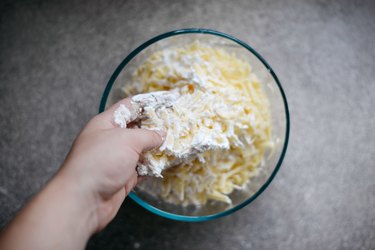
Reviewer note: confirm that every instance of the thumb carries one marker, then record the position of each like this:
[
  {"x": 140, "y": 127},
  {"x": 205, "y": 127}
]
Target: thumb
[{"x": 144, "y": 139}]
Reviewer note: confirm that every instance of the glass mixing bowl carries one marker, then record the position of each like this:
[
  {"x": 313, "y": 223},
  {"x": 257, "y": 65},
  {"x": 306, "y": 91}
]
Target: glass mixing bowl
[{"x": 279, "y": 116}]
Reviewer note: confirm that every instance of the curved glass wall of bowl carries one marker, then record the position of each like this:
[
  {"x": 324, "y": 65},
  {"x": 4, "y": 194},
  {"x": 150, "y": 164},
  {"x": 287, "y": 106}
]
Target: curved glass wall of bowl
[{"x": 279, "y": 116}]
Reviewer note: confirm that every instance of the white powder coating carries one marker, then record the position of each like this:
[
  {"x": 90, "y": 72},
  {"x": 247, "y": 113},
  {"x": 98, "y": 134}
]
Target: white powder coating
[
  {"x": 196, "y": 115},
  {"x": 217, "y": 123},
  {"x": 156, "y": 99},
  {"x": 122, "y": 116},
  {"x": 187, "y": 119},
  {"x": 190, "y": 130}
]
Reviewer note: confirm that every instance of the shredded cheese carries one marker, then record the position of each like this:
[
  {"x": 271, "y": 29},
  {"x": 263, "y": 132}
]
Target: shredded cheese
[{"x": 221, "y": 112}]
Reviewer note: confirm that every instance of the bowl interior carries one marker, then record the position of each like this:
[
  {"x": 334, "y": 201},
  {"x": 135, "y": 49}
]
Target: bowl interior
[{"x": 278, "y": 109}]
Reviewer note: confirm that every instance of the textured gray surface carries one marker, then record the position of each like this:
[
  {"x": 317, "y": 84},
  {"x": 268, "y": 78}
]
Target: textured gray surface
[{"x": 56, "y": 57}]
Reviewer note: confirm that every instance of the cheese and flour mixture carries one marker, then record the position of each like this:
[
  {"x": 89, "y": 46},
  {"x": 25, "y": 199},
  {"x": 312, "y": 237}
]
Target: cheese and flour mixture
[{"x": 216, "y": 116}]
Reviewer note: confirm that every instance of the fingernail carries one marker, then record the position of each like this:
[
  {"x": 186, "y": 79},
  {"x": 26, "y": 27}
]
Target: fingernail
[{"x": 162, "y": 134}]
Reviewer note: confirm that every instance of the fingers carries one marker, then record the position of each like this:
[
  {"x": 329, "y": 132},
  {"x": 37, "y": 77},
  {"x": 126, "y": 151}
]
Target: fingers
[
  {"x": 132, "y": 182},
  {"x": 124, "y": 103},
  {"x": 144, "y": 139},
  {"x": 118, "y": 115}
]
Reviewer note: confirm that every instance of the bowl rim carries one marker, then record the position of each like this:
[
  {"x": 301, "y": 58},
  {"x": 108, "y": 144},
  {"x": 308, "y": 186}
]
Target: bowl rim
[{"x": 127, "y": 59}]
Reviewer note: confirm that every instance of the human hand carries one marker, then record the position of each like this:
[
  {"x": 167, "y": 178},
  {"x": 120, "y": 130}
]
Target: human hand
[{"x": 103, "y": 160}]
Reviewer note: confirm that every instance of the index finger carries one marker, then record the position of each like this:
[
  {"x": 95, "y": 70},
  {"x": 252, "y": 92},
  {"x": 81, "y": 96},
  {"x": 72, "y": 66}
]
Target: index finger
[{"x": 117, "y": 115}]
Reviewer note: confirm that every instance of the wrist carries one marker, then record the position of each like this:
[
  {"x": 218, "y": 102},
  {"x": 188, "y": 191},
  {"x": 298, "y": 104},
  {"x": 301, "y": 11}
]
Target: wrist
[
  {"x": 80, "y": 197},
  {"x": 61, "y": 216}
]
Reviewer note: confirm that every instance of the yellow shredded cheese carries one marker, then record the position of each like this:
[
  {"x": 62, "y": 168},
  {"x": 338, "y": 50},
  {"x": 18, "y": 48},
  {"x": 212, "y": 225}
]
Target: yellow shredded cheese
[{"x": 224, "y": 94}]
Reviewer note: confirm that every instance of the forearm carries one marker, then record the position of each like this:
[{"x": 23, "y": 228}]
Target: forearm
[
  {"x": 61, "y": 216},
  {"x": 87, "y": 192}
]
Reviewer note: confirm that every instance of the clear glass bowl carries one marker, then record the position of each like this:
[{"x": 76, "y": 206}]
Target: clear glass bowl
[{"x": 279, "y": 114}]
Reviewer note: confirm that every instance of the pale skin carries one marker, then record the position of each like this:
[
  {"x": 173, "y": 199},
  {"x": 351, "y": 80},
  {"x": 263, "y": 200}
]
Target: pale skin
[{"x": 87, "y": 191}]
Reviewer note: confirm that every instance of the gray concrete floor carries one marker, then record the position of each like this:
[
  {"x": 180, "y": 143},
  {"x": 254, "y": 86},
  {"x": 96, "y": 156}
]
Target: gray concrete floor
[{"x": 55, "y": 60}]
